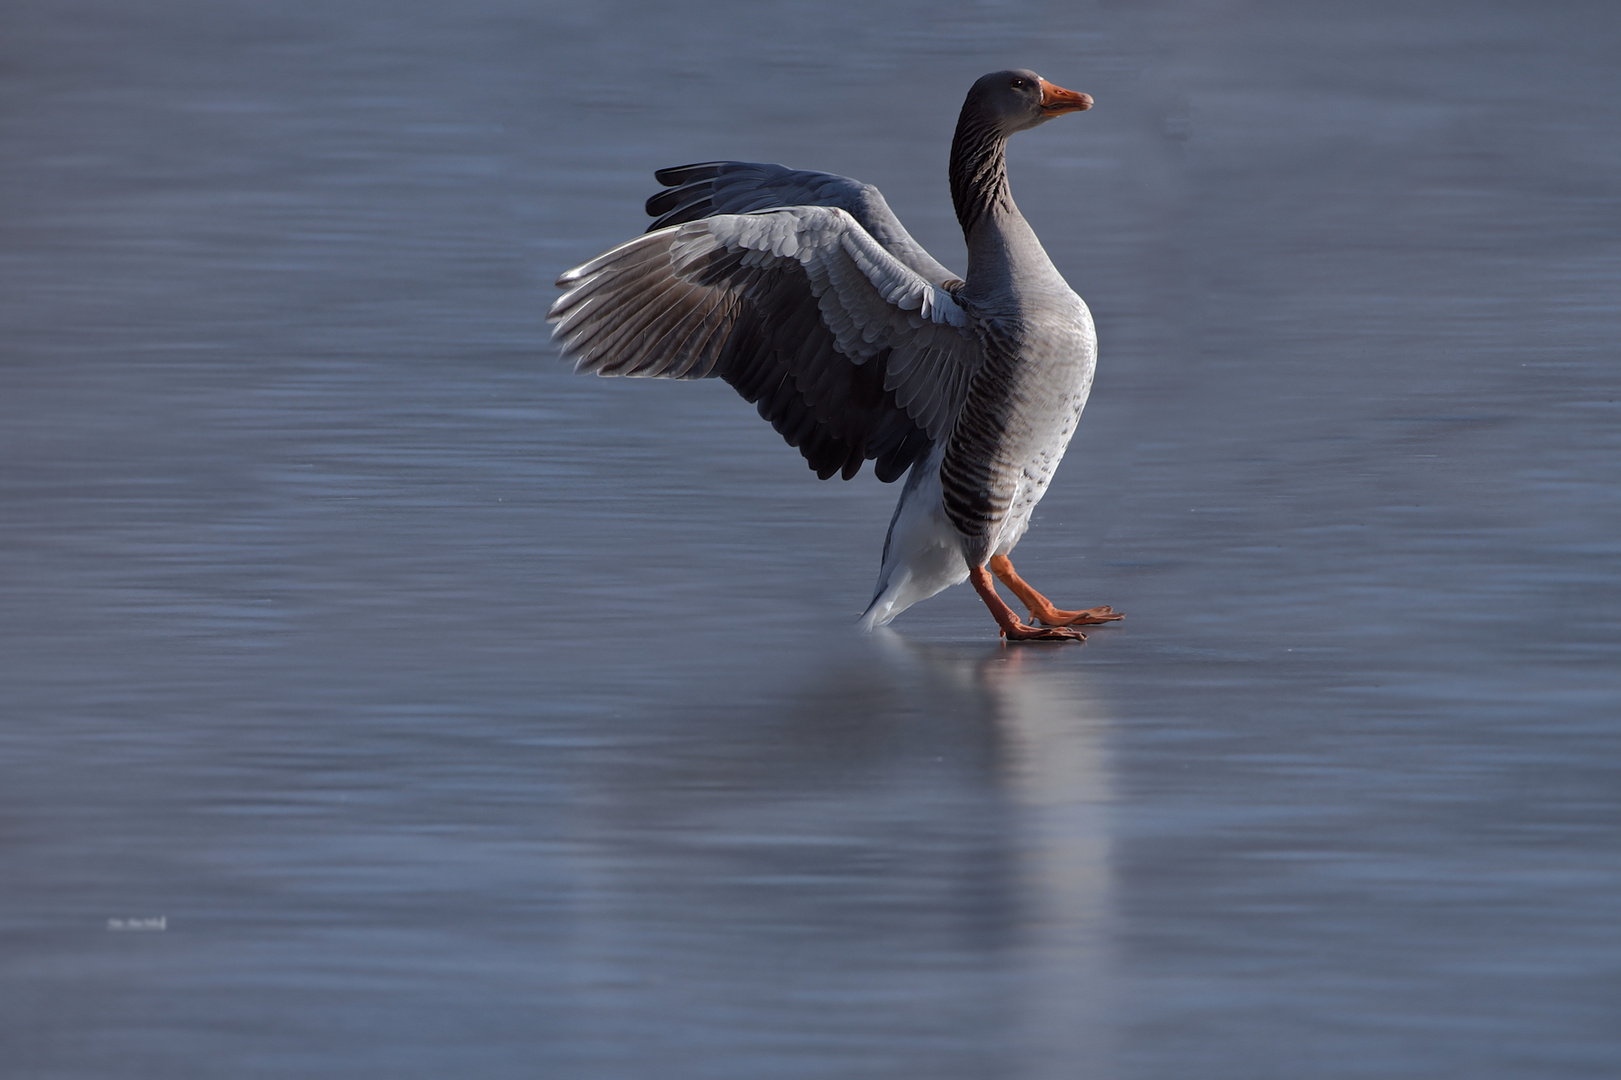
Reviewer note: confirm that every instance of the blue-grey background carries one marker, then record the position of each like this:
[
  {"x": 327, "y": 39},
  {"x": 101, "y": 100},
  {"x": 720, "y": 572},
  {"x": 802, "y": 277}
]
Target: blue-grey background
[{"x": 463, "y": 717}]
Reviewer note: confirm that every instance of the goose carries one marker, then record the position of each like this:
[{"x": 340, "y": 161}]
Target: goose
[{"x": 803, "y": 291}]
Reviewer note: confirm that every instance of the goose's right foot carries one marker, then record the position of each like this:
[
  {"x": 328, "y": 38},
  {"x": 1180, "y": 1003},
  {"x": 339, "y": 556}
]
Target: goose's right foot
[{"x": 1042, "y": 610}]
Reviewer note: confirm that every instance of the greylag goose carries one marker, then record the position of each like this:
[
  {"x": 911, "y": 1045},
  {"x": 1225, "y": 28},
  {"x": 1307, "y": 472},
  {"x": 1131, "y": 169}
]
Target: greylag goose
[{"x": 804, "y": 292}]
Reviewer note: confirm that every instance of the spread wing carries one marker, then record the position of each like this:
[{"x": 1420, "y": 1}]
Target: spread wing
[
  {"x": 739, "y": 187},
  {"x": 848, "y": 351}
]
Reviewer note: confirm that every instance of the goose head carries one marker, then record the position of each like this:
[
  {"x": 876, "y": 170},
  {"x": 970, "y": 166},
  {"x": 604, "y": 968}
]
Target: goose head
[{"x": 1018, "y": 100}]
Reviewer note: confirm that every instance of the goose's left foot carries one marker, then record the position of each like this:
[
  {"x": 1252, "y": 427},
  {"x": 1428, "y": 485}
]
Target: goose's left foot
[{"x": 1042, "y": 609}]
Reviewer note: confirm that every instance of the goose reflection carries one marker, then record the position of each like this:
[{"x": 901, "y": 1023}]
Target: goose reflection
[
  {"x": 1053, "y": 768},
  {"x": 908, "y": 842}
]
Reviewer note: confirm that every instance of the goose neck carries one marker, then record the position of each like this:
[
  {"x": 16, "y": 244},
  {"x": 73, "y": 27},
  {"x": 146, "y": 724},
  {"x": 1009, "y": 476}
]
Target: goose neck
[{"x": 979, "y": 187}]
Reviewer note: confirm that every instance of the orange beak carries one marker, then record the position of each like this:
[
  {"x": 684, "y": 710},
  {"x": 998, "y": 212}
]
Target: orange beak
[{"x": 1056, "y": 100}]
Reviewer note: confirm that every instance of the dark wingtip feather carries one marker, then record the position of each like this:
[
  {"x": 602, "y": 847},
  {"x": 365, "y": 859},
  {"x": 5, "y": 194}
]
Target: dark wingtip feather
[
  {"x": 662, "y": 202},
  {"x": 691, "y": 203},
  {"x": 682, "y": 174}
]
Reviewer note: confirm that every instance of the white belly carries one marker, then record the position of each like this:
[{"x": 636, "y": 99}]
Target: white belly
[{"x": 923, "y": 553}]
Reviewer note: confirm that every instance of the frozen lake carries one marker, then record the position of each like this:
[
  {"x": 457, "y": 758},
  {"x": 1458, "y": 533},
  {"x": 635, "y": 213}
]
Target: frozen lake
[{"x": 459, "y": 716}]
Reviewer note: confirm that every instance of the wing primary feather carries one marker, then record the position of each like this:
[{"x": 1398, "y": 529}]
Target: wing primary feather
[
  {"x": 629, "y": 249},
  {"x": 668, "y": 340},
  {"x": 601, "y": 340},
  {"x": 605, "y": 280},
  {"x": 699, "y": 351}
]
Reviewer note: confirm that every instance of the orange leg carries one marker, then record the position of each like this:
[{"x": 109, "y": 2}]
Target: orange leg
[
  {"x": 1012, "y": 628},
  {"x": 1040, "y": 607}
]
